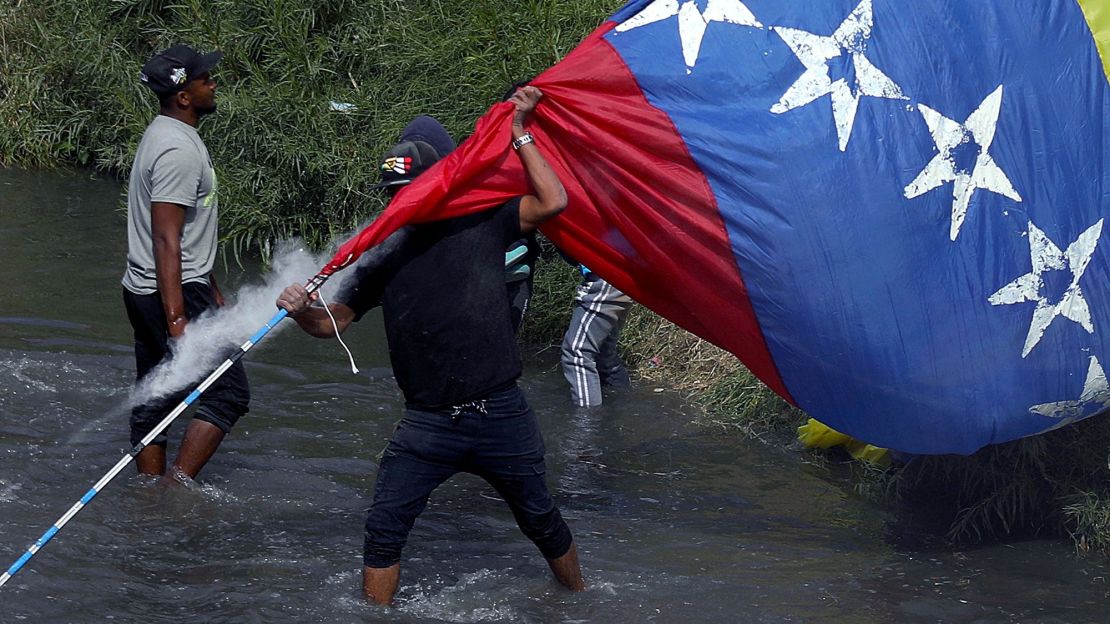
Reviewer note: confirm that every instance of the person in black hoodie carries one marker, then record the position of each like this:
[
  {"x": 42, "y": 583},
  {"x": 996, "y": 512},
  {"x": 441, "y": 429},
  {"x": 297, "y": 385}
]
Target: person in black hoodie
[{"x": 441, "y": 286}]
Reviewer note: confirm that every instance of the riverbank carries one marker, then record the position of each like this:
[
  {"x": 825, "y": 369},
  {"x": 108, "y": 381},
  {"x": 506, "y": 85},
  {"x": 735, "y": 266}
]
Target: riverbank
[{"x": 311, "y": 94}]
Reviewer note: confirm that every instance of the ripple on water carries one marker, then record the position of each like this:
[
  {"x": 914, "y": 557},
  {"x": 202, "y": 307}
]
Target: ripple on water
[
  {"x": 18, "y": 371},
  {"x": 477, "y": 597},
  {"x": 46, "y": 376},
  {"x": 349, "y": 600},
  {"x": 8, "y": 491},
  {"x": 213, "y": 493},
  {"x": 186, "y": 491}
]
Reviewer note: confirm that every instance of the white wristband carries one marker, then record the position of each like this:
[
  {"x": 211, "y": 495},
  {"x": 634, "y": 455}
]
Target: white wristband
[{"x": 524, "y": 139}]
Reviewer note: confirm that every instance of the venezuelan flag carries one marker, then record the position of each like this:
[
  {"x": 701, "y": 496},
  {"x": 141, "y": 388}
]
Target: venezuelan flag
[{"x": 893, "y": 212}]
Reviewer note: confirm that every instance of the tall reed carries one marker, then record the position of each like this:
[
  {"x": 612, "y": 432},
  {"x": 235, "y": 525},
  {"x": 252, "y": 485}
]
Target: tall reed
[{"x": 289, "y": 163}]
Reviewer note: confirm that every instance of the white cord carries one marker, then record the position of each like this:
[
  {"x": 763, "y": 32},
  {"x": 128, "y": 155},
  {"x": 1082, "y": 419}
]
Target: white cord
[{"x": 354, "y": 369}]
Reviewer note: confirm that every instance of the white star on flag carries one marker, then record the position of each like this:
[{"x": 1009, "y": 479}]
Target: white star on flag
[
  {"x": 815, "y": 52},
  {"x": 692, "y": 22},
  {"x": 949, "y": 135},
  {"x": 1096, "y": 392},
  {"x": 1046, "y": 256}
]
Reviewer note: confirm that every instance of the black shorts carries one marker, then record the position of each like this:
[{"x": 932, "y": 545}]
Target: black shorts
[{"x": 225, "y": 400}]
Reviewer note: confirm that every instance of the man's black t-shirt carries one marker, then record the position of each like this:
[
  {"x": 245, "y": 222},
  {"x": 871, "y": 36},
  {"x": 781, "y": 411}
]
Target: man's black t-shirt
[{"x": 441, "y": 286}]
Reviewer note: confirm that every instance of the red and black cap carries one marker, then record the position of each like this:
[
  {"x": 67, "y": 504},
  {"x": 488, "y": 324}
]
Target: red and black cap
[
  {"x": 423, "y": 142},
  {"x": 171, "y": 69}
]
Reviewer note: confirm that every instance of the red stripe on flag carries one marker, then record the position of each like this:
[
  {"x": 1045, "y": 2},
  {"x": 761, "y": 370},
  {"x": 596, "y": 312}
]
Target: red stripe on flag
[{"x": 640, "y": 212}]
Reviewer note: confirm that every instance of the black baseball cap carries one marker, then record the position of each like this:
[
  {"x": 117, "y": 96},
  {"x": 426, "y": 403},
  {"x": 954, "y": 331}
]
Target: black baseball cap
[
  {"x": 171, "y": 69},
  {"x": 423, "y": 143}
]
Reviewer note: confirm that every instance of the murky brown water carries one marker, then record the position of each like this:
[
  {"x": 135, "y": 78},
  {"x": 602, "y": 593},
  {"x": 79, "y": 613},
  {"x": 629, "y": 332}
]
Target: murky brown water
[{"x": 674, "y": 523}]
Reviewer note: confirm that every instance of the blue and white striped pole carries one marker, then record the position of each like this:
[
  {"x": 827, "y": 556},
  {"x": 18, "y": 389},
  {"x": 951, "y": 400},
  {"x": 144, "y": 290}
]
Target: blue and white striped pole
[{"x": 311, "y": 286}]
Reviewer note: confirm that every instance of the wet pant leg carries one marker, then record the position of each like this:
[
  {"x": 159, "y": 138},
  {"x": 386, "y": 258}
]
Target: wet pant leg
[
  {"x": 589, "y": 349},
  {"x": 425, "y": 451},
  {"x": 610, "y": 368},
  {"x": 510, "y": 457}
]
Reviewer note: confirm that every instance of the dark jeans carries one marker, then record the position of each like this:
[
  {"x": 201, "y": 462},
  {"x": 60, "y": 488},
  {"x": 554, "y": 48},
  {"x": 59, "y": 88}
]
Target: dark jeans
[
  {"x": 225, "y": 400},
  {"x": 497, "y": 439}
]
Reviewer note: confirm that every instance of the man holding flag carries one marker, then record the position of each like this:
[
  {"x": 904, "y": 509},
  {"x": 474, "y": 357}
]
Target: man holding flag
[
  {"x": 855, "y": 197},
  {"x": 441, "y": 286}
]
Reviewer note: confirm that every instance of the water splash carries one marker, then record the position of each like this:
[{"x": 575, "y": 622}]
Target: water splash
[
  {"x": 18, "y": 369},
  {"x": 482, "y": 596},
  {"x": 8, "y": 490},
  {"x": 209, "y": 339}
]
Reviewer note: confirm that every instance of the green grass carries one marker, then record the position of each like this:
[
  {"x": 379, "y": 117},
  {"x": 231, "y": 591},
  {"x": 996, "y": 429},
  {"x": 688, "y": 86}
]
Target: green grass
[
  {"x": 288, "y": 165},
  {"x": 1053, "y": 484}
]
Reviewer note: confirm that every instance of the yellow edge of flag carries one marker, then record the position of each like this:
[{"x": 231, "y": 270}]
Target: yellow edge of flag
[{"x": 1097, "y": 13}]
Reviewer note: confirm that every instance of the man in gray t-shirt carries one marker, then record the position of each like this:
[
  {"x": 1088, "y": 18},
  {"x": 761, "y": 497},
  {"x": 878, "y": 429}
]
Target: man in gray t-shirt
[
  {"x": 172, "y": 217},
  {"x": 171, "y": 166}
]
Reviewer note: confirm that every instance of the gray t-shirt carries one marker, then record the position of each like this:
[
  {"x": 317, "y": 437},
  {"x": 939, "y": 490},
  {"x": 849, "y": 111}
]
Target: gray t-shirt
[{"x": 171, "y": 165}]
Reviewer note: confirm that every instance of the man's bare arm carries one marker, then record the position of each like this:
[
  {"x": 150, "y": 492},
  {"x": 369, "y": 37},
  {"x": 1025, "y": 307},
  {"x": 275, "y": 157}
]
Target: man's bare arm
[
  {"x": 167, "y": 221},
  {"x": 216, "y": 294},
  {"x": 314, "y": 320},
  {"x": 550, "y": 198}
]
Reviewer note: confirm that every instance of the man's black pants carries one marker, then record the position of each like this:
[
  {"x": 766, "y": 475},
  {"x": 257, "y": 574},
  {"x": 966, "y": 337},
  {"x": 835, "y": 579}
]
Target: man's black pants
[{"x": 497, "y": 439}]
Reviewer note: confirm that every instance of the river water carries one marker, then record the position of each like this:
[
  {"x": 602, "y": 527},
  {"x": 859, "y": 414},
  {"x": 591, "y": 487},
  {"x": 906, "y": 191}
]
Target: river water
[{"x": 674, "y": 522}]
